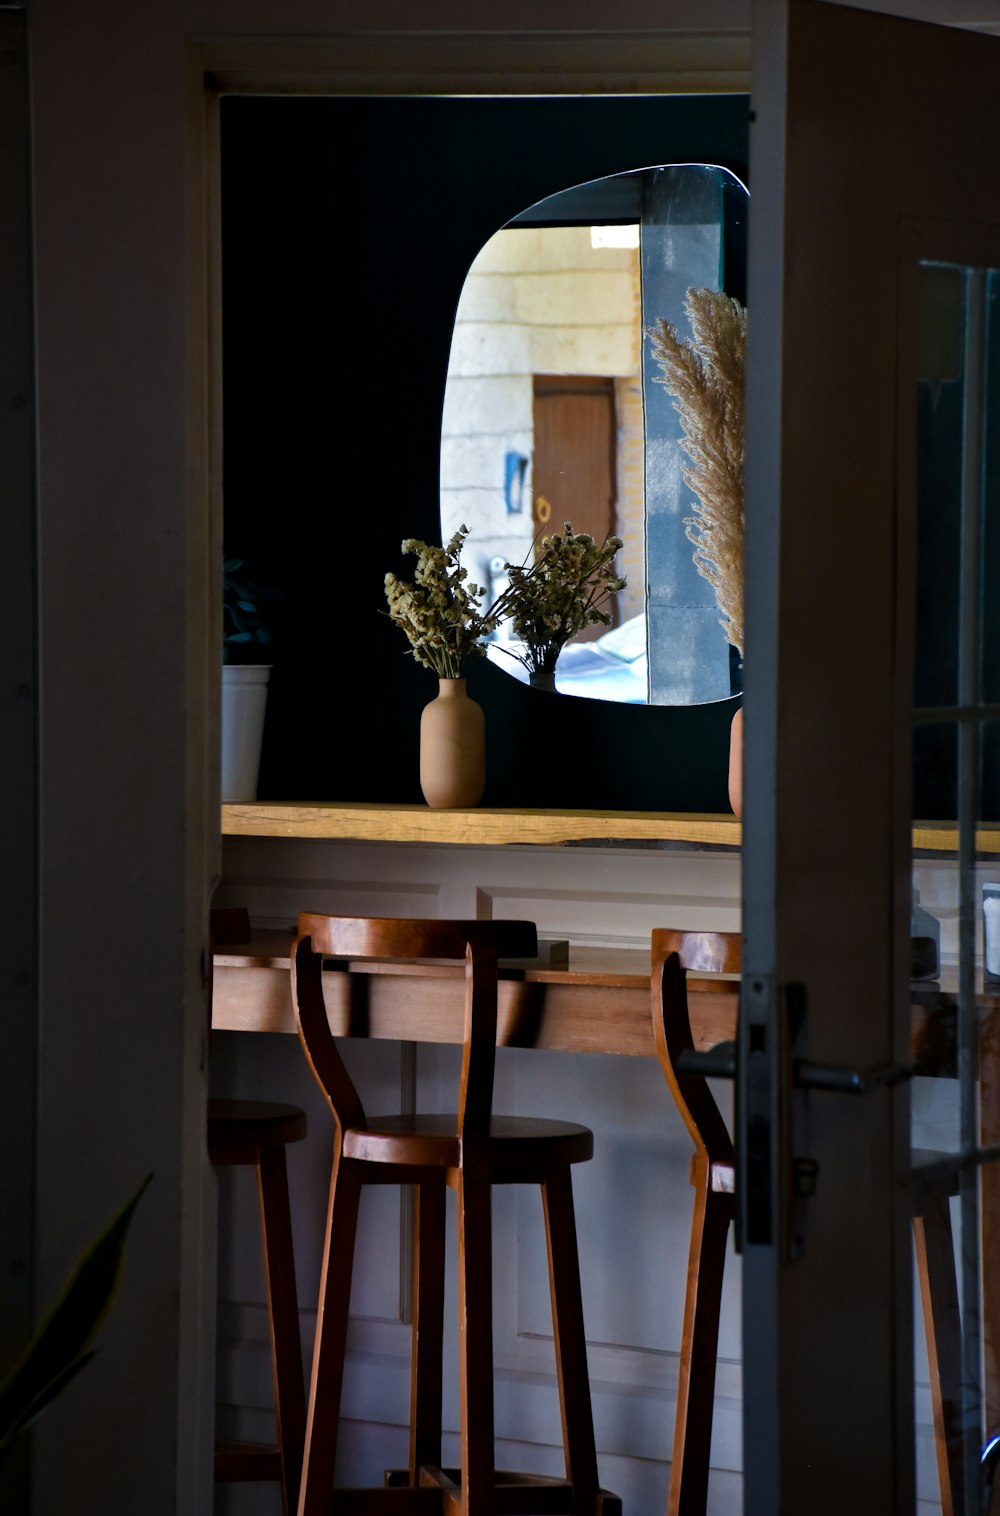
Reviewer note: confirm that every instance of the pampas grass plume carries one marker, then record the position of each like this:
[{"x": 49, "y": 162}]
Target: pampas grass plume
[{"x": 705, "y": 374}]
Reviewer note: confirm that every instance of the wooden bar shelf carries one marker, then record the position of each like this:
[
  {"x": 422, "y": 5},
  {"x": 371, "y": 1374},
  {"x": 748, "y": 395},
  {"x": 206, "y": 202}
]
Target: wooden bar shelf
[
  {"x": 477, "y": 826},
  {"x": 483, "y": 827}
]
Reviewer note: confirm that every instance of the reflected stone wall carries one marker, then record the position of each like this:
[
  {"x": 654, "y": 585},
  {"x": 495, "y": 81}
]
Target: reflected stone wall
[
  {"x": 537, "y": 300},
  {"x": 681, "y": 248}
]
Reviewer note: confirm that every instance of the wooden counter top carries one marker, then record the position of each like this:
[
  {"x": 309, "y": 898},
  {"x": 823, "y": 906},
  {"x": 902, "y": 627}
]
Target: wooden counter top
[
  {"x": 482, "y": 826},
  {"x": 598, "y": 1003},
  {"x": 615, "y": 967},
  {"x": 478, "y": 825}
]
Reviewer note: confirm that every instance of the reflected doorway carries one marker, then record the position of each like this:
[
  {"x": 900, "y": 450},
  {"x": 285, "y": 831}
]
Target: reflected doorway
[{"x": 574, "y": 474}]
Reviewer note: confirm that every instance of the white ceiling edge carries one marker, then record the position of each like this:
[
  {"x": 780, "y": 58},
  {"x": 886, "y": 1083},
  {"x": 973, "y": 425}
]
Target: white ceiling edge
[{"x": 968, "y": 15}]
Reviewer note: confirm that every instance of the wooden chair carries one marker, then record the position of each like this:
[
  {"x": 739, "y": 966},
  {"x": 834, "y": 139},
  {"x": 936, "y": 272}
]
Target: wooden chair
[
  {"x": 713, "y": 1178},
  {"x": 255, "y": 1133},
  {"x": 469, "y": 1153}
]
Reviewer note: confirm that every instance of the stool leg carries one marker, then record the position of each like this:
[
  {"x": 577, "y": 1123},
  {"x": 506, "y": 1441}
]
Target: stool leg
[
  {"x": 283, "y": 1316},
  {"x": 428, "y": 1325},
  {"x": 570, "y": 1341},
  {"x": 935, "y": 1257},
  {"x": 475, "y": 1342},
  {"x": 692, "y": 1446},
  {"x": 331, "y": 1340}
]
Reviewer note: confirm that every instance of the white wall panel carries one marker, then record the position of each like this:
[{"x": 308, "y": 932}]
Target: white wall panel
[{"x": 587, "y": 894}]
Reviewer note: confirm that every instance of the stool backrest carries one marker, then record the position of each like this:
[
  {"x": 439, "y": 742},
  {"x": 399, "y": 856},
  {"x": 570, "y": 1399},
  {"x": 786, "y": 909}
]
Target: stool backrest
[
  {"x": 673, "y": 954},
  {"x": 479, "y": 943}
]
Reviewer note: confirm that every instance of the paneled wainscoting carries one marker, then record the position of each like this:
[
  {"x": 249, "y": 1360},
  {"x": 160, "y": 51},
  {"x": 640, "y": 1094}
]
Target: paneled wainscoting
[{"x": 633, "y": 1200}]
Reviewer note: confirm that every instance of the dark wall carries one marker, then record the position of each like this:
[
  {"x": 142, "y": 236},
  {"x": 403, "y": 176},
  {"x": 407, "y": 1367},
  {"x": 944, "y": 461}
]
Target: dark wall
[{"x": 348, "y": 230}]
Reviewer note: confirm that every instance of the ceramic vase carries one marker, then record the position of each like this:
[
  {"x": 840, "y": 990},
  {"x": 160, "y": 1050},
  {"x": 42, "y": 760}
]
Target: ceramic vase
[
  {"x": 736, "y": 764},
  {"x": 452, "y": 748},
  {"x": 244, "y": 702},
  {"x": 542, "y": 680}
]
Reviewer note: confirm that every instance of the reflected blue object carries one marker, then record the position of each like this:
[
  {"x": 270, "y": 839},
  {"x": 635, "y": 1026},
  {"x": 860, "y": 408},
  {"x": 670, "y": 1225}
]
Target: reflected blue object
[
  {"x": 514, "y": 466},
  {"x": 612, "y": 667}
]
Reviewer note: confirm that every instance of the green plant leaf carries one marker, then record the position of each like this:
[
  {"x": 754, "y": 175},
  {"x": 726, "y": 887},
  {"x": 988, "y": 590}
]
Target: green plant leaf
[
  {"x": 60, "y": 1344},
  {"x": 44, "y": 1398},
  {"x": 242, "y": 605}
]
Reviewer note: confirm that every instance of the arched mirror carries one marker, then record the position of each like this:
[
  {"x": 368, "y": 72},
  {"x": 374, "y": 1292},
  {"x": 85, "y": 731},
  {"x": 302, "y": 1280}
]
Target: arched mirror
[{"x": 553, "y": 414}]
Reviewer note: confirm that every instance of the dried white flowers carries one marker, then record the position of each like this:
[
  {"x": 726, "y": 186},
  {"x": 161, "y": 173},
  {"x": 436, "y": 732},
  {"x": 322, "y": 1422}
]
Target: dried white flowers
[
  {"x": 705, "y": 374},
  {"x": 441, "y": 612}
]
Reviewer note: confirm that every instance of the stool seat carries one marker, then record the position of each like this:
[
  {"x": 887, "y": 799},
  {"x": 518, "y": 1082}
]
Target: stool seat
[
  {"x": 261, "y": 1123},
  {"x": 523, "y": 1146}
]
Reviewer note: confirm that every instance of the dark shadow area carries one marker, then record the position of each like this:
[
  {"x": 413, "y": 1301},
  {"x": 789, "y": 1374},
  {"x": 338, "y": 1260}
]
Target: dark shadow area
[{"x": 348, "y": 228}]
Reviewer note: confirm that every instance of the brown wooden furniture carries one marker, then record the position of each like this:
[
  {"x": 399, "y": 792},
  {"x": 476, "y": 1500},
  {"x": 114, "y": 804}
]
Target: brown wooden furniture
[
  {"x": 674, "y": 955},
  {"x": 373, "y": 821},
  {"x": 934, "y": 1182},
  {"x": 713, "y": 1178},
  {"x": 598, "y": 1003},
  {"x": 469, "y": 1153},
  {"x": 255, "y": 1133}
]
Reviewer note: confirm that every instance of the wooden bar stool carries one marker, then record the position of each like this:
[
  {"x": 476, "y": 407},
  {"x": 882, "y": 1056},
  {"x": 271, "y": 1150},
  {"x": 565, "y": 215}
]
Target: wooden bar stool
[
  {"x": 468, "y": 1153},
  {"x": 255, "y": 1133},
  {"x": 934, "y": 1181},
  {"x": 713, "y": 1178}
]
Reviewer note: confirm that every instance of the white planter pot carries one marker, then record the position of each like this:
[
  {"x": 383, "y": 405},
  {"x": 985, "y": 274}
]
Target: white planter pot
[{"x": 244, "y": 700}]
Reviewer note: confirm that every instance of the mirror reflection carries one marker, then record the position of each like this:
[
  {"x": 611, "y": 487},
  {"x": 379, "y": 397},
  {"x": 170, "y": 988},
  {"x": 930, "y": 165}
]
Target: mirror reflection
[{"x": 552, "y": 414}]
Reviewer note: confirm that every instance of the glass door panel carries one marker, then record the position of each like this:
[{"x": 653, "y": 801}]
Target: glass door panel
[
  {"x": 841, "y": 756},
  {"x": 956, "y": 785}
]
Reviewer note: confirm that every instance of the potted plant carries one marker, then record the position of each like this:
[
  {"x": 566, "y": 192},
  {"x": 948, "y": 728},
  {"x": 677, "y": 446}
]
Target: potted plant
[
  {"x": 705, "y": 374},
  {"x": 244, "y": 678},
  {"x": 555, "y": 597},
  {"x": 441, "y": 613}
]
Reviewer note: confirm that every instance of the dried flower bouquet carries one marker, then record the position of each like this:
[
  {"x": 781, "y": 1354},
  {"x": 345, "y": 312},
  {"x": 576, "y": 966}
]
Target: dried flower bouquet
[
  {"x": 558, "y": 595},
  {"x": 440, "y": 612},
  {"x": 705, "y": 374},
  {"x": 548, "y": 601}
]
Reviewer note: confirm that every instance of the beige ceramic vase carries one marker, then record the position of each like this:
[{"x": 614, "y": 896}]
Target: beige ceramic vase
[
  {"x": 452, "y": 748},
  {"x": 736, "y": 763}
]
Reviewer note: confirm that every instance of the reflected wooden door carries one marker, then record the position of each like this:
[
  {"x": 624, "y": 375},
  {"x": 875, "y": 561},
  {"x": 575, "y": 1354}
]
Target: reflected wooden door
[{"x": 574, "y": 464}]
